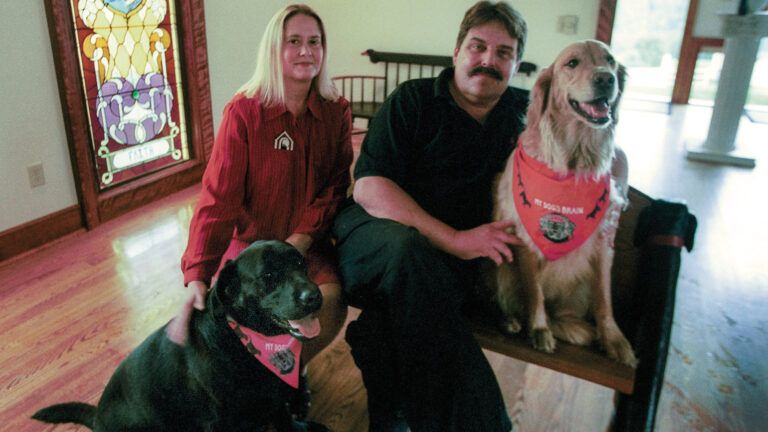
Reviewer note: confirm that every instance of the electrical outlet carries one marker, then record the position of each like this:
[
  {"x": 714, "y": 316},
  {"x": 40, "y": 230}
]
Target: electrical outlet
[
  {"x": 36, "y": 175},
  {"x": 567, "y": 24}
]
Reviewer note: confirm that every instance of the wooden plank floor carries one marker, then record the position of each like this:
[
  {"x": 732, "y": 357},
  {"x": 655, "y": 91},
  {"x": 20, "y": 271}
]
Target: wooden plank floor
[
  {"x": 72, "y": 310},
  {"x": 717, "y": 376}
]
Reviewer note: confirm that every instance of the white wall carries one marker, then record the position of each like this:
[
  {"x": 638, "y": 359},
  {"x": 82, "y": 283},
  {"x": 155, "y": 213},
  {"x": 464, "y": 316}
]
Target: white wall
[
  {"x": 708, "y": 22},
  {"x": 31, "y": 124},
  {"x": 431, "y": 28},
  {"x": 233, "y": 29},
  {"x": 354, "y": 26}
]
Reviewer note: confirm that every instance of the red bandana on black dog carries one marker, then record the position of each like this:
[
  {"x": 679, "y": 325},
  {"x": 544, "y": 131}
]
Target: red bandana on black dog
[
  {"x": 559, "y": 212},
  {"x": 280, "y": 354}
]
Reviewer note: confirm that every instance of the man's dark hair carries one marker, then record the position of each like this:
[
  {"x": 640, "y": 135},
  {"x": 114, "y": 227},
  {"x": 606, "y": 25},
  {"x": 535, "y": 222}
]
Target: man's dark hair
[{"x": 484, "y": 12}]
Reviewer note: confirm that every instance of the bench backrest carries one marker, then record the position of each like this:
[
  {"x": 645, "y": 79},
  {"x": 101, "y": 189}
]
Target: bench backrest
[{"x": 400, "y": 67}]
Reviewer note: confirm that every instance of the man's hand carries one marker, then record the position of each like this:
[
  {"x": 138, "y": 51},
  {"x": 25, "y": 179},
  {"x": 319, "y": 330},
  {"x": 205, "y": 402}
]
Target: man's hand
[
  {"x": 383, "y": 198},
  {"x": 490, "y": 240},
  {"x": 199, "y": 292}
]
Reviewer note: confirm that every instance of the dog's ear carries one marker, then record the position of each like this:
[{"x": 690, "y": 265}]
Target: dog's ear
[
  {"x": 229, "y": 280},
  {"x": 621, "y": 75},
  {"x": 540, "y": 96},
  {"x": 621, "y": 78}
]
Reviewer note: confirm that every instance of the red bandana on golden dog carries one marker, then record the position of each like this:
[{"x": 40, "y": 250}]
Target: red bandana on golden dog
[
  {"x": 559, "y": 191},
  {"x": 559, "y": 212}
]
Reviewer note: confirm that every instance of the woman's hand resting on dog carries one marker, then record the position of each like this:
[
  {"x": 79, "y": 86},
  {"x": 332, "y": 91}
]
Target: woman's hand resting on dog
[
  {"x": 490, "y": 240},
  {"x": 178, "y": 329},
  {"x": 199, "y": 292}
]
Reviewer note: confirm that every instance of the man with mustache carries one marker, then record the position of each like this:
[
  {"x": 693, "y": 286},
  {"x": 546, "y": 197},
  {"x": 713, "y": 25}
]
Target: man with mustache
[{"x": 410, "y": 245}]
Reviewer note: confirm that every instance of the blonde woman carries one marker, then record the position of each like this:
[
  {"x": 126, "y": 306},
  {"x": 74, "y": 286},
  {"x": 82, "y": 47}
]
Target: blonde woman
[{"x": 280, "y": 166}]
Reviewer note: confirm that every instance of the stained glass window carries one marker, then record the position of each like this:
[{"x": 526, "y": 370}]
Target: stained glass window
[{"x": 128, "y": 61}]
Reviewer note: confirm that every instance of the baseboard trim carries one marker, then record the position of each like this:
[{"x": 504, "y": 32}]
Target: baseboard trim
[{"x": 39, "y": 232}]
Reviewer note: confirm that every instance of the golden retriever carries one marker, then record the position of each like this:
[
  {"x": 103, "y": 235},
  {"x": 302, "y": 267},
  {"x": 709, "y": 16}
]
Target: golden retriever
[{"x": 557, "y": 187}]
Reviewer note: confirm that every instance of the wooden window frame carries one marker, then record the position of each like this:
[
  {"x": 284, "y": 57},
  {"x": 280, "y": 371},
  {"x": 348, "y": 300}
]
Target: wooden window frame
[
  {"x": 689, "y": 49},
  {"x": 99, "y": 206},
  {"x": 689, "y": 53},
  {"x": 605, "y": 17}
]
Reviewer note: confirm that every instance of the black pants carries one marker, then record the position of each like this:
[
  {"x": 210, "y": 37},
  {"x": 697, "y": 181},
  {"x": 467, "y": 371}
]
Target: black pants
[{"x": 411, "y": 341}]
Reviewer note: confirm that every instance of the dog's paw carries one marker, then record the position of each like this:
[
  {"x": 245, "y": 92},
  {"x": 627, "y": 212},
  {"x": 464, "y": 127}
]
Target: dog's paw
[
  {"x": 617, "y": 346},
  {"x": 543, "y": 340},
  {"x": 574, "y": 330},
  {"x": 621, "y": 351},
  {"x": 511, "y": 326}
]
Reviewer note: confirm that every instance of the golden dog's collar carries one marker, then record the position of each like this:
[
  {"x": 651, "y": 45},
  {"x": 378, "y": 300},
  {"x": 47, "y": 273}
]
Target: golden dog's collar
[
  {"x": 280, "y": 354},
  {"x": 558, "y": 212}
]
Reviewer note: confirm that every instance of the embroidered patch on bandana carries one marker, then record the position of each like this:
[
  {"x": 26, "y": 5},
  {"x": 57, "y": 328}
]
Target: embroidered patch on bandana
[
  {"x": 558, "y": 212},
  {"x": 284, "y": 142},
  {"x": 280, "y": 354}
]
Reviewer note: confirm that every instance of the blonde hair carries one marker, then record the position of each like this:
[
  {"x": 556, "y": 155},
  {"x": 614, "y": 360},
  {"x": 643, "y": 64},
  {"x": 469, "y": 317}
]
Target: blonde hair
[{"x": 267, "y": 80}]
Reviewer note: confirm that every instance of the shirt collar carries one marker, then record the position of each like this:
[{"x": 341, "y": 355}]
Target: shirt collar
[{"x": 313, "y": 107}]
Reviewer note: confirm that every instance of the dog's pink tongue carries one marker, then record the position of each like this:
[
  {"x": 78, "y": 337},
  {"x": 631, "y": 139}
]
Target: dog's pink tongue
[
  {"x": 309, "y": 326},
  {"x": 595, "y": 109}
]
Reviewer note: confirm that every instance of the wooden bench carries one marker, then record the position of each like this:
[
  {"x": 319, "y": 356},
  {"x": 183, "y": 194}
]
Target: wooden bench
[
  {"x": 647, "y": 262},
  {"x": 648, "y": 245},
  {"x": 366, "y": 93}
]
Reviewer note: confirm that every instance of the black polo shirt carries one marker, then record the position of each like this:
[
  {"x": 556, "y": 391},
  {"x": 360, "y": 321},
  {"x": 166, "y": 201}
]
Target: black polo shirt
[{"x": 437, "y": 153}]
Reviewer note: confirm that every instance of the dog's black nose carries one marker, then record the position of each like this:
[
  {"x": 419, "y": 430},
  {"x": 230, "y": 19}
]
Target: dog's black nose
[
  {"x": 603, "y": 80},
  {"x": 309, "y": 297}
]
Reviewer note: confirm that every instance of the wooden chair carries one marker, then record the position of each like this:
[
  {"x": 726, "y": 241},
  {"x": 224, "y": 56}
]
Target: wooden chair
[
  {"x": 367, "y": 93},
  {"x": 648, "y": 243}
]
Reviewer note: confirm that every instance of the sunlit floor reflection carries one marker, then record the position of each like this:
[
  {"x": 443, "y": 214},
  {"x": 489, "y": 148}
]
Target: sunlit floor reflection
[{"x": 148, "y": 267}]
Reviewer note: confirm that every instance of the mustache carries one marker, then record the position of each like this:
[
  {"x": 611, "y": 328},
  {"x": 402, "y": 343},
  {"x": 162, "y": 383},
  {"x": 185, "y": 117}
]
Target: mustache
[{"x": 486, "y": 70}]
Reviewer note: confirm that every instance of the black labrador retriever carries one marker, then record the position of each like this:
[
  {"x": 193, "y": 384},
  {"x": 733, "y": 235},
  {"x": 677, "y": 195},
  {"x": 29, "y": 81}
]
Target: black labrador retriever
[{"x": 213, "y": 382}]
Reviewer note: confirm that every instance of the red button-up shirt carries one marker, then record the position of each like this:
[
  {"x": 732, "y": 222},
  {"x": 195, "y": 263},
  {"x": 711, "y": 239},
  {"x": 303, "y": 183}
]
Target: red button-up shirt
[{"x": 271, "y": 175}]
